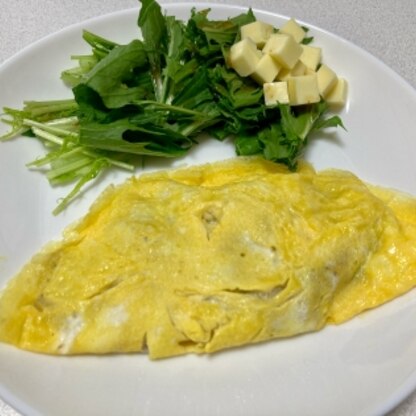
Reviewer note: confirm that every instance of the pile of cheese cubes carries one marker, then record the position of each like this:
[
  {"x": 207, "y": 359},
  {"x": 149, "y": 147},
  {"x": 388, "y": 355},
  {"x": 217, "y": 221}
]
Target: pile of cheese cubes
[{"x": 290, "y": 72}]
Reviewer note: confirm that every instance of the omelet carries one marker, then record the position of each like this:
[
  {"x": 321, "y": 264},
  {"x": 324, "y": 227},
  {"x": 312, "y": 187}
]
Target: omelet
[{"x": 200, "y": 259}]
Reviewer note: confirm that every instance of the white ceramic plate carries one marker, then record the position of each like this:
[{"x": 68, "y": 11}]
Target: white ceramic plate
[{"x": 363, "y": 367}]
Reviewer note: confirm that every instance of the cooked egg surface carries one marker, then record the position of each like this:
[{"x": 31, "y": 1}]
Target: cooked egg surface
[{"x": 211, "y": 257}]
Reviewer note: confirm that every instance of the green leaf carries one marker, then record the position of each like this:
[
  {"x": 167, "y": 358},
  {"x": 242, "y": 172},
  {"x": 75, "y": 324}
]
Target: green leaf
[
  {"x": 247, "y": 145},
  {"x": 307, "y": 40},
  {"x": 174, "y": 61},
  {"x": 90, "y": 104},
  {"x": 125, "y": 136},
  {"x": 98, "y": 43},
  {"x": 221, "y": 32},
  {"x": 110, "y": 77},
  {"x": 276, "y": 146},
  {"x": 152, "y": 25},
  {"x": 334, "y": 121},
  {"x": 100, "y": 49},
  {"x": 236, "y": 91},
  {"x": 303, "y": 122},
  {"x": 195, "y": 92},
  {"x": 153, "y": 29}
]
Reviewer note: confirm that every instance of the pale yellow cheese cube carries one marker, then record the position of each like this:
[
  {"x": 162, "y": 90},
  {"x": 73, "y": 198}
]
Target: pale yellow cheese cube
[
  {"x": 275, "y": 92},
  {"x": 298, "y": 70},
  {"x": 293, "y": 28},
  {"x": 284, "y": 74},
  {"x": 338, "y": 95},
  {"x": 311, "y": 56},
  {"x": 327, "y": 79},
  {"x": 303, "y": 90},
  {"x": 257, "y": 31},
  {"x": 266, "y": 70},
  {"x": 309, "y": 71},
  {"x": 244, "y": 57},
  {"x": 284, "y": 49}
]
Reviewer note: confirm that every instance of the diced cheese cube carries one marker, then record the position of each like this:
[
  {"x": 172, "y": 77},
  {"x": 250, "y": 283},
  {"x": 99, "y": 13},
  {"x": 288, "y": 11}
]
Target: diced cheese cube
[
  {"x": 311, "y": 56},
  {"x": 244, "y": 57},
  {"x": 303, "y": 90},
  {"x": 284, "y": 49},
  {"x": 275, "y": 92},
  {"x": 309, "y": 71},
  {"x": 293, "y": 28},
  {"x": 257, "y": 31},
  {"x": 338, "y": 94},
  {"x": 327, "y": 79},
  {"x": 266, "y": 70},
  {"x": 296, "y": 71},
  {"x": 284, "y": 74}
]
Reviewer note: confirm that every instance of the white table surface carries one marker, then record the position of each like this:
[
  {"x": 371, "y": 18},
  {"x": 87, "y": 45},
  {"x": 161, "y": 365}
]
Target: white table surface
[{"x": 384, "y": 28}]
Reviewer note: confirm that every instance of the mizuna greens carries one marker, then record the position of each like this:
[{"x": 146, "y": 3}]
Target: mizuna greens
[{"x": 154, "y": 97}]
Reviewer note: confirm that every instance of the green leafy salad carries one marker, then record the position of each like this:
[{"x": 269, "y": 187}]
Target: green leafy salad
[{"x": 155, "y": 96}]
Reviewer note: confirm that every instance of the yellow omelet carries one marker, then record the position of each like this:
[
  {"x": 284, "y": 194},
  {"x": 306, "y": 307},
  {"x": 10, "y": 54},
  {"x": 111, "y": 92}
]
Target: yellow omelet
[{"x": 211, "y": 257}]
